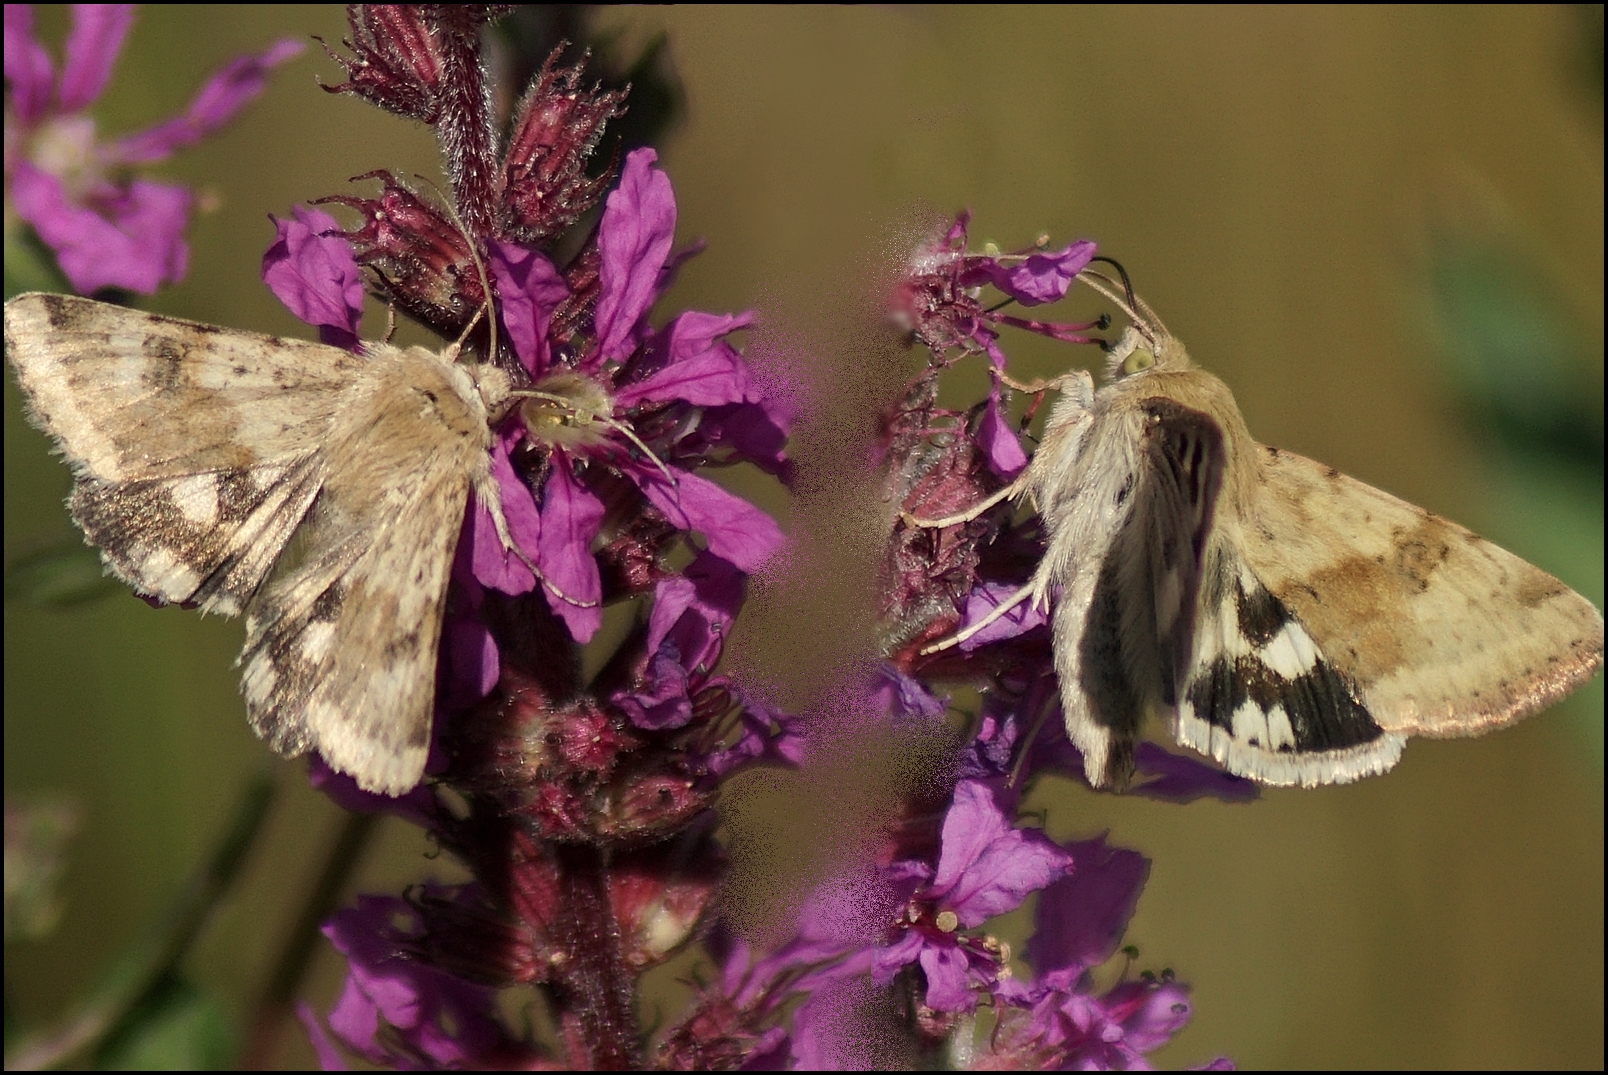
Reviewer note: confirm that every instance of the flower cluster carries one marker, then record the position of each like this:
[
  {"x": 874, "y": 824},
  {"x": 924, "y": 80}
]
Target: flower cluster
[
  {"x": 106, "y": 226},
  {"x": 582, "y": 809},
  {"x": 914, "y": 923}
]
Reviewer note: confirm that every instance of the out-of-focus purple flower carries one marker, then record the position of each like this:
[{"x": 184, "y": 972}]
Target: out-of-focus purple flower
[
  {"x": 1080, "y": 918},
  {"x": 646, "y": 405},
  {"x": 400, "y": 1012},
  {"x": 106, "y": 227}
]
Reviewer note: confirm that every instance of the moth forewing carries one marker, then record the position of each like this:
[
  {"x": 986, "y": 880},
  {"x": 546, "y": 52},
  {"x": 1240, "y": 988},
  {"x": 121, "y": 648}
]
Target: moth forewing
[{"x": 200, "y": 452}]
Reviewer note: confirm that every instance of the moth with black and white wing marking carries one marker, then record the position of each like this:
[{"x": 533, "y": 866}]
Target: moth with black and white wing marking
[
  {"x": 199, "y": 452},
  {"x": 1291, "y": 622}
]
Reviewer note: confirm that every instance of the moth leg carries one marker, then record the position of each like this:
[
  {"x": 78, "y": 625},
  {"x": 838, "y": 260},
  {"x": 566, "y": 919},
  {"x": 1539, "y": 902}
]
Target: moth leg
[
  {"x": 999, "y": 610},
  {"x": 1041, "y": 384},
  {"x": 969, "y": 514},
  {"x": 487, "y": 493}
]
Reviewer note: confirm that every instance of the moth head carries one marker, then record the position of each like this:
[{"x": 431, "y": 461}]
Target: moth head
[{"x": 1141, "y": 349}]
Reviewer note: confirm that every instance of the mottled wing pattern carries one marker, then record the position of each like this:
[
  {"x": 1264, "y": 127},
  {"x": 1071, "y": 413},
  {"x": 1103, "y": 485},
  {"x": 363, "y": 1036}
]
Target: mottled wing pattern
[
  {"x": 194, "y": 447},
  {"x": 340, "y": 653},
  {"x": 1443, "y": 633}
]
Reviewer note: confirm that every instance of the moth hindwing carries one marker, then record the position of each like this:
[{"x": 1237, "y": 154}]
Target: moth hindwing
[
  {"x": 1293, "y": 623},
  {"x": 198, "y": 452}
]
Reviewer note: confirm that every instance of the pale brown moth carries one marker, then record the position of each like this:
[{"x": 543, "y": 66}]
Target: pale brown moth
[
  {"x": 199, "y": 452},
  {"x": 1291, "y": 622}
]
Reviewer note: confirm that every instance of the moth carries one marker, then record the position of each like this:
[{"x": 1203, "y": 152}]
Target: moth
[
  {"x": 1287, "y": 620},
  {"x": 200, "y": 452}
]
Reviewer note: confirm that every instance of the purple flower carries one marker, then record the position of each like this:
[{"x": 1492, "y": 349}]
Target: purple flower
[
  {"x": 645, "y": 405},
  {"x": 986, "y": 867},
  {"x": 106, "y": 227},
  {"x": 1051, "y": 1026},
  {"x": 938, "y": 300}
]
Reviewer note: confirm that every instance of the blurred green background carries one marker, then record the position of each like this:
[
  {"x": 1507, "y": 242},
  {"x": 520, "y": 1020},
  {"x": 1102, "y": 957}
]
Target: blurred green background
[{"x": 1383, "y": 227}]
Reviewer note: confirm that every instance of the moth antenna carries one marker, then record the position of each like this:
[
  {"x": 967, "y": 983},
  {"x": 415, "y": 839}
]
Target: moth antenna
[
  {"x": 995, "y": 613},
  {"x": 1139, "y": 312}
]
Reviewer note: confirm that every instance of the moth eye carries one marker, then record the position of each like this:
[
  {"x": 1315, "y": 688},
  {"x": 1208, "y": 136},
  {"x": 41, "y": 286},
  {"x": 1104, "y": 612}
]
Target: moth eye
[{"x": 1140, "y": 359}]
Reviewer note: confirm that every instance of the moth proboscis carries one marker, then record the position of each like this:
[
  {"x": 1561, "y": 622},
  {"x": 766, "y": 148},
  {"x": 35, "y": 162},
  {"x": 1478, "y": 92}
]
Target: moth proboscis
[
  {"x": 199, "y": 452},
  {"x": 1289, "y": 621}
]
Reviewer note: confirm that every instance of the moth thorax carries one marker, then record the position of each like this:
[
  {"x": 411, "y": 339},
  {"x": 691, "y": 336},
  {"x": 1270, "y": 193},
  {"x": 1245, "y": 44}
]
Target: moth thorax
[{"x": 567, "y": 410}]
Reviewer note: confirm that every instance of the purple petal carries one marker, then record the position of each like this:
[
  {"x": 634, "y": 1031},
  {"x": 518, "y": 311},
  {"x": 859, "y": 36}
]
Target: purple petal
[
  {"x": 998, "y": 444},
  {"x": 470, "y": 662},
  {"x": 417, "y": 806},
  {"x": 1022, "y": 618},
  {"x": 135, "y": 241},
  {"x": 949, "y": 987},
  {"x": 986, "y": 867},
  {"x": 330, "y": 1057},
  {"x": 530, "y": 289},
  {"x": 700, "y": 605},
  {"x": 888, "y": 959},
  {"x": 311, "y": 269},
  {"x": 223, "y": 95},
  {"x": 990, "y": 753},
  {"x": 92, "y": 48},
  {"x": 492, "y": 565},
  {"x": 697, "y": 366},
  {"x": 639, "y": 222},
  {"x": 1042, "y": 278},
  {"x": 753, "y": 432},
  {"x": 29, "y": 72},
  {"x": 665, "y": 703},
  {"x": 768, "y": 735},
  {"x": 1151, "y": 1012},
  {"x": 901, "y": 696},
  {"x": 1182, "y": 779},
  {"x": 735, "y": 530},
  {"x": 472, "y": 659},
  {"x": 1081, "y": 918},
  {"x": 709, "y": 380},
  {"x": 571, "y": 516}
]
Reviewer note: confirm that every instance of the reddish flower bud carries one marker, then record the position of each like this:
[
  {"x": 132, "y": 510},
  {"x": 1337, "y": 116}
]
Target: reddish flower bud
[
  {"x": 422, "y": 259},
  {"x": 555, "y": 131},
  {"x": 396, "y": 61}
]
